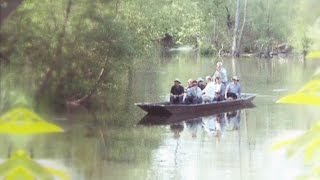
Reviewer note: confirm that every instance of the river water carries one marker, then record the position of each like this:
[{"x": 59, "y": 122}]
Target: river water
[{"x": 235, "y": 145}]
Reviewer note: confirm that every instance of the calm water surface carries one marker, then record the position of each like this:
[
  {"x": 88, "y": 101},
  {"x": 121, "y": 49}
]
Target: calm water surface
[{"x": 226, "y": 146}]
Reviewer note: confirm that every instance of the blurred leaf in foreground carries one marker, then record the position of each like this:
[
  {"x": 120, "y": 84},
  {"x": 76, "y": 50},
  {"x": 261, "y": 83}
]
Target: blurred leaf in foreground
[
  {"x": 314, "y": 55},
  {"x": 25, "y": 121},
  {"x": 308, "y": 95},
  {"x": 21, "y": 166},
  {"x": 309, "y": 145}
]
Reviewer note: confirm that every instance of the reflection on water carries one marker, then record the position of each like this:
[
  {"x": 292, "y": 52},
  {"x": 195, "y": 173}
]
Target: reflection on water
[
  {"x": 224, "y": 146},
  {"x": 222, "y": 122},
  {"x": 200, "y": 148}
]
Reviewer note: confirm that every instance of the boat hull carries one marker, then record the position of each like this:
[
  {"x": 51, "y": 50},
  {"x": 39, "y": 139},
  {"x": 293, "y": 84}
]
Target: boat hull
[
  {"x": 165, "y": 119},
  {"x": 173, "y": 109}
]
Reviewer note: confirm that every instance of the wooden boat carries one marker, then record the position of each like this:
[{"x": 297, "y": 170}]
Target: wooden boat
[
  {"x": 174, "y": 109},
  {"x": 165, "y": 119}
]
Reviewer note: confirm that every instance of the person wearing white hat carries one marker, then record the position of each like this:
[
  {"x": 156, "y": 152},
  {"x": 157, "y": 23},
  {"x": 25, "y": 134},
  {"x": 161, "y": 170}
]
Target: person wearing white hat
[
  {"x": 233, "y": 89},
  {"x": 177, "y": 92}
]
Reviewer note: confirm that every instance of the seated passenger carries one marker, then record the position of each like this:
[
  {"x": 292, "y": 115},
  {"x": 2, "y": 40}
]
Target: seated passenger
[
  {"x": 194, "y": 94},
  {"x": 177, "y": 92},
  {"x": 188, "y": 86},
  {"x": 233, "y": 90},
  {"x": 208, "y": 92},
  {"x": 208, "y": 79},
  {"x": 201, "y": 83},
  {"x": 219, "y": 89}
]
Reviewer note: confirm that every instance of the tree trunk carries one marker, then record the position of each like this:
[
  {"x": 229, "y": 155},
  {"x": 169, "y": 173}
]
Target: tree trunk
[
  {"x": 229, "y": 21},
  {"x": 117, "y": 8},
  {"x": 220, "y": 50},
  {"x": 7, "y": 8},
  {"x": 236, "y": 31},
  {"x": 129, "y": 89},
  {"x": 268, "y": 21},
  {"x": 56, "y": 63},
  {"x": 243, "y": 24}
]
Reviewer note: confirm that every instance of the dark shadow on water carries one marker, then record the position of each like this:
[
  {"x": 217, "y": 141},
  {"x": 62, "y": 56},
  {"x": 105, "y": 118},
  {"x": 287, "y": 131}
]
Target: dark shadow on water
[{"x": 166, "y": 119}]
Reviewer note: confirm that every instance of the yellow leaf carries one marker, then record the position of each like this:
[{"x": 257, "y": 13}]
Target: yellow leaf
[
  {"x": 282, "y": 144},
  {"x": 316, "y": 171},
  {"x": 311, "y": 149},
  {"x": 300, "y": 98},
  {"x": 312, "y": 87},
  {"x": 58, "y": 173},
  {"x": 21, "y": 166},
  {"x": 308, "y": 95},
  {"x": 24, "y": 121},
  {"x": 313, "y": 55}
]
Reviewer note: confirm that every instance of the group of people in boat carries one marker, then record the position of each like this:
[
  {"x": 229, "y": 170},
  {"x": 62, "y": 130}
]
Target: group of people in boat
[{"x": 215, "y": 88}]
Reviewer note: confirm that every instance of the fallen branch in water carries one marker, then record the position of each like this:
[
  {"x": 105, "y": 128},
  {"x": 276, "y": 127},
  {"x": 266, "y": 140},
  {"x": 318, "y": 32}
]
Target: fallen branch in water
[
  {"x": 81, "y": 102},
  {"x": 220, "y": 50}
]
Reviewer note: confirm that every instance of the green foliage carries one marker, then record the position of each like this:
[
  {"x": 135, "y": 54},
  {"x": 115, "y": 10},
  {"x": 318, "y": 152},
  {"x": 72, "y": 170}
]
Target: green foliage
[
  {"x": 10, "y": 94},
  {"x": 152, "y": 19},
  {"x": 94, "y": 39},
  {"x": 268, "y": 23},
  {"x": 305, "y": 25},
  {"x": 314, "y": 35},
  {"x": 115, "y": 34}
]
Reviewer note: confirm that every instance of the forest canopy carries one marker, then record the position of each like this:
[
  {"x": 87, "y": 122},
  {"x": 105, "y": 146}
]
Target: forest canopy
[{"x": 76, "y": 40}]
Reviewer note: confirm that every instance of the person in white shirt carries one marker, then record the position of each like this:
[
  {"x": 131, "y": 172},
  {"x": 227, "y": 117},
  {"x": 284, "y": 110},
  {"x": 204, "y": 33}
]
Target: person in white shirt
[
  {"x": 219, "y": 90},
  {"x": 208, "y": 92},
  {"x": 208, "y": 79}
]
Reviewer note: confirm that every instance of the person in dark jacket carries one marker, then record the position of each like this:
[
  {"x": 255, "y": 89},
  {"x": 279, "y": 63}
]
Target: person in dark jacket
[{"x": 177, "y": 92}]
